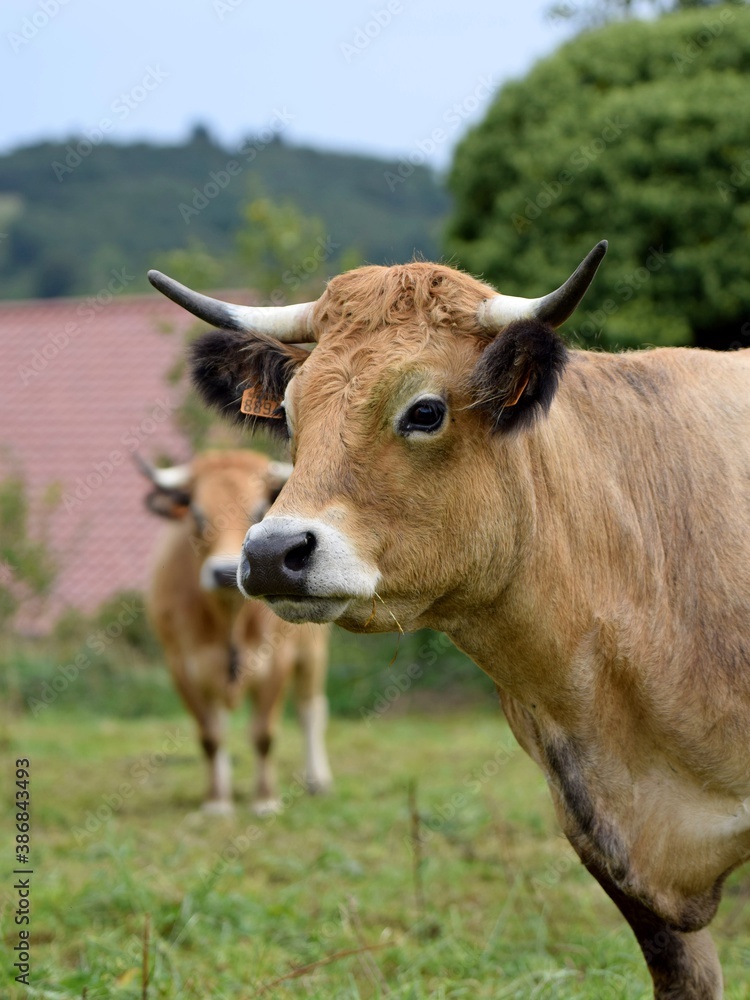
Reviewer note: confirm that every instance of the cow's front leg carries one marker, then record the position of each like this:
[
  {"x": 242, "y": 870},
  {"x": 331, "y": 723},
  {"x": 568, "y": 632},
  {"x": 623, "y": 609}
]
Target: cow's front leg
[
  {"x": 682, "y": 966},
  {"x": 313, "y": 715},
  {"x": 212, "y": 733},
  {"x": 268, "y": 701},
  {"x": 312, "y": 705}
]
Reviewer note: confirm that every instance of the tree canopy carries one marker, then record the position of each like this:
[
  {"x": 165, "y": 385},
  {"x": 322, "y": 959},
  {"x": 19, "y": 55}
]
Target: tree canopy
[
  {"x": 74, "y": 213},
  {"x": 284, "y": 255},
  {"x": 27, "y": 569},
  {"x": 598, "y": 12},
  {"x": 638, "y": 132}
]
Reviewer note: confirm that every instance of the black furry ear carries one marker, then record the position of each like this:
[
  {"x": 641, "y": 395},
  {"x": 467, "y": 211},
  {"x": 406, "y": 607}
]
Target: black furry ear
[
  {"x": 225, "y": 366},
  {"x": 516, "y": 377}
]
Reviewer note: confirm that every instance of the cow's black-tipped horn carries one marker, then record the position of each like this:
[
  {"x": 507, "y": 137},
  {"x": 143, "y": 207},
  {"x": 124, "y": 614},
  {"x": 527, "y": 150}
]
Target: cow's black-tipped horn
[
  {"x": 144, "y": 467},
  {"x": 174, "y": 477},
  {"x": 289, "y": 324},
  {"x": 555, "y": 308}
]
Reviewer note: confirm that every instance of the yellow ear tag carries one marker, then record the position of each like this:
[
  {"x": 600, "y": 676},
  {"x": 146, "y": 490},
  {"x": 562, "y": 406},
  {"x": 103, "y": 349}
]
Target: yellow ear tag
[{"x": 255, "y": 405}]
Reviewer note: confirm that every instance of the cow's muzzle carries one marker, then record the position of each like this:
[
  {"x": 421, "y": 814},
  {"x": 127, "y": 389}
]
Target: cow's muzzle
[
  {"x": 305, "y": 570},
  {"x": 276, "y": 564}
]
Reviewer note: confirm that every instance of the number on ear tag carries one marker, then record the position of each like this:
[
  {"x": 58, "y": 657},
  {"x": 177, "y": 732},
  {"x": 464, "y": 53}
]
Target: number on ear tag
[{"x": 254, "y": 404}]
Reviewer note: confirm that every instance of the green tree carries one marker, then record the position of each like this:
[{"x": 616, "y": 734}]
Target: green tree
[
  {"x": 194, "y": 265},
  {"x": 26, "y": 567},
  {"x": 598, "y": 12},
  {"x": 282, "y": 255},
  {"x": 637, "y": 132},
  {"x": 281, "y": 248},
  {"x": 69, "y": 218}
]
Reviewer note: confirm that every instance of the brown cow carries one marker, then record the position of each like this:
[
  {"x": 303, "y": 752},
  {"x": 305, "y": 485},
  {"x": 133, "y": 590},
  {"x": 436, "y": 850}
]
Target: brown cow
[
  {"x": 578, "y": 522},
  {"x": 219, "y": 646}
]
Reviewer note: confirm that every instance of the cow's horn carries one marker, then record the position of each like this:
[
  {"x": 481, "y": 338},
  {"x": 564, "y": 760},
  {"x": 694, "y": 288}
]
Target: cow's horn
[
  {"x": 555, "y": 308},
  {"x": 175, "y": 477},
  {"x": 290, "y": 324}
]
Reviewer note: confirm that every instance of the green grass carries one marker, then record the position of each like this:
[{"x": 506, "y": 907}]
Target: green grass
[
  {"x": 125, "y": 677},
  {"x": 236, "y": 904}
]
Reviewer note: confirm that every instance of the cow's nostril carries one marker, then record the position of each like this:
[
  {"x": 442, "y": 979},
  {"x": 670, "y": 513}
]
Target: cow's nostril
[
  {"x": 297, "y": 558},
  {"x": 276, "y": 561}
]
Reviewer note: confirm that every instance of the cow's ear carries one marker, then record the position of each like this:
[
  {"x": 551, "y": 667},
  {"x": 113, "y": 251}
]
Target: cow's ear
[
  {"x": 244, "y": 376},
  {"x": 173, "y": 504},
  {"x": 516, "y": 376}
]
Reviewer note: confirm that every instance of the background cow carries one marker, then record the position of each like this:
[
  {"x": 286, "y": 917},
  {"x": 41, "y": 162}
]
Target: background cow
[
  {"x": 578, "y": 522},
  {"x": 219, "y": 646}
]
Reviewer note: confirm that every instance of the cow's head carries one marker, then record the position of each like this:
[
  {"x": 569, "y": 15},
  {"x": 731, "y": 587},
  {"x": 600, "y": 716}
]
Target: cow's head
[
  {"x": 217, "y": 496},
  {"x": 407, "y": 424}
]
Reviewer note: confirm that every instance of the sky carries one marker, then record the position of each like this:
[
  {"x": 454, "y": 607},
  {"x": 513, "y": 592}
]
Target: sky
[{"x": 389, "y": 77}]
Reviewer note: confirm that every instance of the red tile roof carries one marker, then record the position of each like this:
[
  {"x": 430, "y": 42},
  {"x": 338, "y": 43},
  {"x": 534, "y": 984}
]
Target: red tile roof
[{"x": 84, "y": 386}]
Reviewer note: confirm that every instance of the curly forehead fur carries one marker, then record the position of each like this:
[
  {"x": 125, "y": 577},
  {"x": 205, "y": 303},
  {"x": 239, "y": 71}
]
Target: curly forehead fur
[
  {"x": 416, "y": 294},
  {"x": 376, "y": 328}
]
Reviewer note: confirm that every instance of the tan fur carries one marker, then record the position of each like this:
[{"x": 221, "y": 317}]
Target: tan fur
[
  {"x": 196, "y": 627},
  {"x": 595, "y": 565}
]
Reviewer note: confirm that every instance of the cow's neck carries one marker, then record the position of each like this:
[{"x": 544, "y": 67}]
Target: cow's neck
[{"x": 588, "y": 648}]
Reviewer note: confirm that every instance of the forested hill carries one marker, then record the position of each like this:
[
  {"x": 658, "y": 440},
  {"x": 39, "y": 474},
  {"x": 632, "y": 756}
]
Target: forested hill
[{"x": 72, "y": 212}]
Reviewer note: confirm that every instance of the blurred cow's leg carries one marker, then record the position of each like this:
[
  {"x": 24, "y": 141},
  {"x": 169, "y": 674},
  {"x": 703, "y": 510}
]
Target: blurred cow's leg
[
  {"x": 268, "y": 700},
  {"x": 213, "y": 730},
  {"x": 209, "y": 715},
  {"x": 205, "y": 678},
  {"x": 312, "y": 705}
]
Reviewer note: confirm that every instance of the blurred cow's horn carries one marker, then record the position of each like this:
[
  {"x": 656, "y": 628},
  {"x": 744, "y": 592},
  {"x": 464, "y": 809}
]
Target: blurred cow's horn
[
  {"x": 175, "y": 477},
  {"x": 555, "y": 308},
  {"x": 280, "y": 470},
  {"x": 290, "y": 324}
]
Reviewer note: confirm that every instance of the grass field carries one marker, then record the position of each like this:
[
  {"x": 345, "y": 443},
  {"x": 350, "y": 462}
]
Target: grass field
[{"x": 238, "y": 907}]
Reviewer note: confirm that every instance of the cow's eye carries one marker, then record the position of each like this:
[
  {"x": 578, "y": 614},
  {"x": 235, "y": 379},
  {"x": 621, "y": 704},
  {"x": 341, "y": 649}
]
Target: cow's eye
[{"x": 426, "y": 415}]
